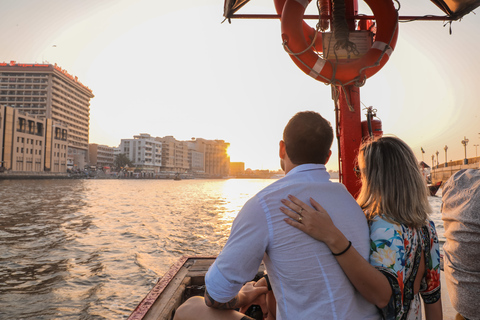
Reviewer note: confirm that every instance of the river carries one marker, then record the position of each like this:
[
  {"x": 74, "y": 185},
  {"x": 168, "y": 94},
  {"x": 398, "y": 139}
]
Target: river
[{"x": 92, "y": 249}]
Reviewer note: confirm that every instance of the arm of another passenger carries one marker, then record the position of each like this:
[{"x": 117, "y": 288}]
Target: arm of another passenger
[{"x": 370, "y": 282}]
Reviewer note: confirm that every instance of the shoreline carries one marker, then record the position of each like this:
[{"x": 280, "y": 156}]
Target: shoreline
[{"x": 85, "y": 176}]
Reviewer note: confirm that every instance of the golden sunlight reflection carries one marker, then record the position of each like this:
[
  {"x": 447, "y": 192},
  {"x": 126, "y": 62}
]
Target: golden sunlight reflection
[{"x": 237, "y": 192}]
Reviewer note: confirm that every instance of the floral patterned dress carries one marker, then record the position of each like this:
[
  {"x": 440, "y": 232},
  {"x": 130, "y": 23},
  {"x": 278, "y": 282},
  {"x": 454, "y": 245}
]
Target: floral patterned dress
[{"x": 396, "y": 252}]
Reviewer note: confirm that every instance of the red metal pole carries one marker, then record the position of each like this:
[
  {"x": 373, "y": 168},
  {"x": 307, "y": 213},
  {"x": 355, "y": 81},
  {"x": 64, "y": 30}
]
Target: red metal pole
[
  {"x": 349, "y": 135},
  {"x": 349, "y": 127}
]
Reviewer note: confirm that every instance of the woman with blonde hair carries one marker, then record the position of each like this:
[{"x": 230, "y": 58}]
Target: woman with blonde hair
[{"x": 404, "y": 255}]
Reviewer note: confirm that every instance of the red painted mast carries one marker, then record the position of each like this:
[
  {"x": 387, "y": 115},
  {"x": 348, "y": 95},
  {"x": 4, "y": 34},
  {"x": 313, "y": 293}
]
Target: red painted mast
[
  {"x": 348, "y": 120},
  {"x": 349, "y": 136}
]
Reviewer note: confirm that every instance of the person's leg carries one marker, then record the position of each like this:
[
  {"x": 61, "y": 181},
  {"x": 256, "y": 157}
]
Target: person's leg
[{"x": 195, "y": 308}]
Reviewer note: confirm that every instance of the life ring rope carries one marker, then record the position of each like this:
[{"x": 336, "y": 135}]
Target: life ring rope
[
  {"x": 312, "y": 43},
  {"x": 384, "y": 47}
]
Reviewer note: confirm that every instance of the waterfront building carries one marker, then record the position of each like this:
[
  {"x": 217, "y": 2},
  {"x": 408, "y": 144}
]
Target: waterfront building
[
  {"x": 217, "y": 161},
  {"x": 237, "y": 168},
  {"x": 49, "y": 92},
  {"x": 56, "y": 146},
  {"x": 174, "y": 154},
  {"x": 116, "y": 151},
  {"x": 2, "y": 127},
  {"x": 100, "y": 156},
  {"x": 196, "y": 159},
  {"x": 144, "y": 151},
  {"x": 31, "y": 144}
]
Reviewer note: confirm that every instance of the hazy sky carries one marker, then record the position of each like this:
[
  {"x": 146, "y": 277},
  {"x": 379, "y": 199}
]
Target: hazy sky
[{"x": 171, "y": 68}]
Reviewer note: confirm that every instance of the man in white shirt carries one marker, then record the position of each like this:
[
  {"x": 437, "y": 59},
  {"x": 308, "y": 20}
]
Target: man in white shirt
[{"x": 306, "y": 280}]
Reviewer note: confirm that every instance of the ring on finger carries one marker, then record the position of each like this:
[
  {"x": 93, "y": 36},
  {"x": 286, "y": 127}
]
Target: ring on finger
[
  {"x": 301, "y": 210},
  {"x": 300, "y": 219}
]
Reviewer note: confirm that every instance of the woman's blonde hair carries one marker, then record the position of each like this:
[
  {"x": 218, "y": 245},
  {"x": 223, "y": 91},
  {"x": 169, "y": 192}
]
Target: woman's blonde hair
[{"x": 392, "y": 184}]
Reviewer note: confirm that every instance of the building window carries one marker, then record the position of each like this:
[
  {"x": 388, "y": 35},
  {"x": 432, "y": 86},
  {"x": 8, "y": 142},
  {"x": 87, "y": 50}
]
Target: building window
[{"x": 39, "y": 129}]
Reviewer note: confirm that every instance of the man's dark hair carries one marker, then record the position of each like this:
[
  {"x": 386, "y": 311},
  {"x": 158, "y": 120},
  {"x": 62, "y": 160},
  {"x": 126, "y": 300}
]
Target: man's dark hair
[{"x": 308, "y": 138}]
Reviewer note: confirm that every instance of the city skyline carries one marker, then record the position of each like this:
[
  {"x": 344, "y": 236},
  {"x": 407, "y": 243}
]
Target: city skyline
[{"x": 174, "y": 69}]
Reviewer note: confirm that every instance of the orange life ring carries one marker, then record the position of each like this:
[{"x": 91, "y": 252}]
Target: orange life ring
[
  {"x": 326, "y": 71},
  {"x": 308, "y": 31}
]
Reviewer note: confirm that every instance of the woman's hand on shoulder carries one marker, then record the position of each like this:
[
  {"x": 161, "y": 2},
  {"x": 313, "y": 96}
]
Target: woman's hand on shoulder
[{"x": 313, "y": 220}]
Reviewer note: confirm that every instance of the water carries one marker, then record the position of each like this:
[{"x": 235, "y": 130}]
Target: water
[{"x": 92, "y": 249}]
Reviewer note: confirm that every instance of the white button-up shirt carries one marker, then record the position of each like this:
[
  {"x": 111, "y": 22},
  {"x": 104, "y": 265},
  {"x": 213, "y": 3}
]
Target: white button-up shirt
[{"x": 307, "y": 281}]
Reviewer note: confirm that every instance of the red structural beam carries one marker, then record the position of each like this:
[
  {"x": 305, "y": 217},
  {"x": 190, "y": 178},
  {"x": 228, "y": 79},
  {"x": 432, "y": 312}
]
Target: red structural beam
[
  {"x": 356, "y": 17},
  {"x": 348, "y": 118}
]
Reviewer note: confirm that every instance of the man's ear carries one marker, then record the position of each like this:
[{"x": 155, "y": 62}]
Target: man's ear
[
  {"x": 282, "y": 151},
  {"x": 329, "y": 155}
]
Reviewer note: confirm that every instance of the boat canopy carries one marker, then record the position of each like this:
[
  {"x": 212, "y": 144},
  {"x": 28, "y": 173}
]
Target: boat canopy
[
  {"x": 455, "y": 9},
  {"x": 232, "y": 6}
]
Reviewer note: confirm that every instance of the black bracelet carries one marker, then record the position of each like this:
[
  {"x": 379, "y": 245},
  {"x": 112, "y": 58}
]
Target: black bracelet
[
  {"x": 269, "y": 286},
  {"x": 348, "y": 247}
]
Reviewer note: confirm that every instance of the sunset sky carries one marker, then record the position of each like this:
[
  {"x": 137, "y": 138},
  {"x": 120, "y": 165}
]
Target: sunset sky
[{"x": 172, "y": 68}]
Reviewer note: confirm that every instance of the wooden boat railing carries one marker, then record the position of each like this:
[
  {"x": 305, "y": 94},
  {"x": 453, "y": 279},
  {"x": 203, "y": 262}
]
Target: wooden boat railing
[{"x": 184, "y": 279}]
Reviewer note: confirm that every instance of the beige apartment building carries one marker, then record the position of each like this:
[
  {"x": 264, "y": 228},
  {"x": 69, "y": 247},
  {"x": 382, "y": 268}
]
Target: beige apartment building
[
  {"x": 174, "y": 154},
  {"x": 31, "y": 144},
  {"x": 49, "y": 92},
  {"x": 216, "y": 159},
  {"x": 2, "y": 134},
  {"x": 196, "y": 159},
  {"x": 100, "y": 156}
]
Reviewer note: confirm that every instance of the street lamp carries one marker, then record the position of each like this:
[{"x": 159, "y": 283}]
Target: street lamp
[
  {"x": 465, "y": 142},
  {"x": 437, "y": 157},
  {"x": 433, "y": 161},
  {"x": 445, "y": 148}
]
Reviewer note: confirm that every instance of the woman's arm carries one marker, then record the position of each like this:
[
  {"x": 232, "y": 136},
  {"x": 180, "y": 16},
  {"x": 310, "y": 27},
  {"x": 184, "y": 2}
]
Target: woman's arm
[
  {"x": 434, "y": 311},
  {"x": 316, "y": 222}
]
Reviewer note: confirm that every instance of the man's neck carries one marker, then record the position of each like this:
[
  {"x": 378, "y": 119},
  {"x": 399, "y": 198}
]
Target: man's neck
[{"x": 289, "y": 166}]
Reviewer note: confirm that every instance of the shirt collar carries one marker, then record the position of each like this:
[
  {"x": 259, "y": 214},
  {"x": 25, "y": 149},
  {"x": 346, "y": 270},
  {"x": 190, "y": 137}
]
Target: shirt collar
[{"x": 306, "y": 167}]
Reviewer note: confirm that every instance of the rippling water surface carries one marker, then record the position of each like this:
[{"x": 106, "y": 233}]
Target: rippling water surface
[{"x": 92, "y": 249}]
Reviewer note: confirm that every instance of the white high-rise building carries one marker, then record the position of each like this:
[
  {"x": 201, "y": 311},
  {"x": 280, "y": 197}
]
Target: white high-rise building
[{"x": 144, "y": 151}]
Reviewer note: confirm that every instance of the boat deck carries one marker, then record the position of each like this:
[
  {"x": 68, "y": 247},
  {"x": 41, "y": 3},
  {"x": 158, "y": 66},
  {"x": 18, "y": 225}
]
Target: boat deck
[{"x": 186, "y": 278}]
